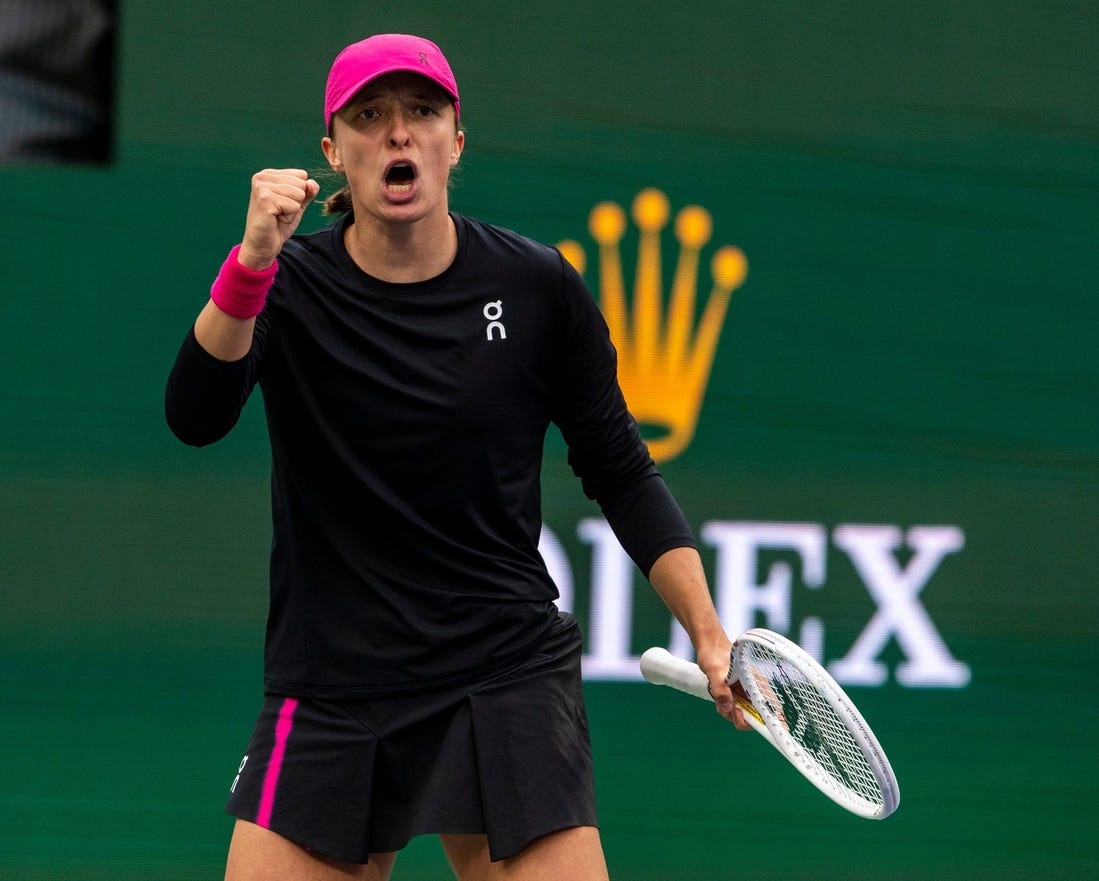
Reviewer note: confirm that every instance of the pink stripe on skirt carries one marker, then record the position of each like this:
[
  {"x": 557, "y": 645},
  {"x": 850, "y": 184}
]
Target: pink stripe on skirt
[{"x": 274, "y": 766}]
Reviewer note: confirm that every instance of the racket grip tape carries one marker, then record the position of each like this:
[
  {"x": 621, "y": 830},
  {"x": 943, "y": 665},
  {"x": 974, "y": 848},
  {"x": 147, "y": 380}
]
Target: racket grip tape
[{"x": 661, "y": 667}]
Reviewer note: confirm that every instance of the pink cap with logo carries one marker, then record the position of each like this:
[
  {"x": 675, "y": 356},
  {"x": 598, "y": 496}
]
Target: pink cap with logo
[{"x": 375, "y": 56}]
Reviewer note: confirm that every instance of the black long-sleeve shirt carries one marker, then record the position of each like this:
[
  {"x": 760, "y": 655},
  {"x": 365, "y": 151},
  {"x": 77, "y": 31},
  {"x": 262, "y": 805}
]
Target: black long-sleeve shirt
[{"x": 407, "y": 424}]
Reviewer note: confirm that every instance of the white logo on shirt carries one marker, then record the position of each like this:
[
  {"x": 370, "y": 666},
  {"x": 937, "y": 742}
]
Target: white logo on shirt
[{"x": 493, "y": 312}]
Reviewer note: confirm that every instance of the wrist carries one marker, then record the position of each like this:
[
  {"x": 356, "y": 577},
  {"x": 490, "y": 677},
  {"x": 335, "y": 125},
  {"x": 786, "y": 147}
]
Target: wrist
[
  {"x": 249, "y": 259},
  {"x": 239, "y": 290},
  {"x": 711, "y": 640}
]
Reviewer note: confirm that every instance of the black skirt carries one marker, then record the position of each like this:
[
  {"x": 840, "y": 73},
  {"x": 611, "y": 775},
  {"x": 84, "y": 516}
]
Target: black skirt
[{"x": 509, "y": 757}]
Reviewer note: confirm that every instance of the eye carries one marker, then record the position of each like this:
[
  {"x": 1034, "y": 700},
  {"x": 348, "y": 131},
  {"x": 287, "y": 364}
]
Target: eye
[{"x": 426, "y": 111}]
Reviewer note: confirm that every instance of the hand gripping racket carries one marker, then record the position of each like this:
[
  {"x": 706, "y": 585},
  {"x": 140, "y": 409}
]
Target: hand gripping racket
[{"x": 804, "y": 714}]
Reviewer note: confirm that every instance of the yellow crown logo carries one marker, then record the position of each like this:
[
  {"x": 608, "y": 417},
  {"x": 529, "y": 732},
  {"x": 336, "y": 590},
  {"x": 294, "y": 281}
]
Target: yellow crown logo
[{"x": 664, "y": 362}]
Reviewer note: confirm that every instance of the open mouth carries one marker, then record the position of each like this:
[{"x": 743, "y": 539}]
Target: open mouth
[{"x": 399, "y": 177}]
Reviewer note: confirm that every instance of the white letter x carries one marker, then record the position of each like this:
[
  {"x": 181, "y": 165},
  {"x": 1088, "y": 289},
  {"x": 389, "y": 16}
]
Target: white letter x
[{"x": 899, "y": 613}]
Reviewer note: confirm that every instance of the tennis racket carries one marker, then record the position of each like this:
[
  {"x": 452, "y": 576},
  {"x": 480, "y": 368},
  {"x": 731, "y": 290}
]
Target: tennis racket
[{"x": 798, "y": 707}]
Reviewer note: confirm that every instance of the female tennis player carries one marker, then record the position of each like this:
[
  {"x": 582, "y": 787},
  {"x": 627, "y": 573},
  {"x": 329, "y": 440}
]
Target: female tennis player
[{"x": 418, "y": 675}]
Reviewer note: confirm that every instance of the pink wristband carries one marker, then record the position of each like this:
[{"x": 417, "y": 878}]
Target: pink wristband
[{"x": 240, "y": 291}]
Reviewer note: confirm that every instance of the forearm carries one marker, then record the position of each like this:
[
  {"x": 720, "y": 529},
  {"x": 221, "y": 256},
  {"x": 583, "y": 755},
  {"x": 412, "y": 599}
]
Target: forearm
[
  {"x": 225, "y": 326},
  {"x": 679, "y": 579},
  {"x": 225, "y": 337}
]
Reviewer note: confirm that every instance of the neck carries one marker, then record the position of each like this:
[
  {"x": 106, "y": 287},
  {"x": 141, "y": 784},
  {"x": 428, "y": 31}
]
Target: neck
[{"x": 402, "y": 253}]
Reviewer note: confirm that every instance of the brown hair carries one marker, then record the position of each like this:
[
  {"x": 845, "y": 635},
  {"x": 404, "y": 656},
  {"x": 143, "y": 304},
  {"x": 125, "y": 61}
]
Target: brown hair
[{"x": 339, "y": 202}]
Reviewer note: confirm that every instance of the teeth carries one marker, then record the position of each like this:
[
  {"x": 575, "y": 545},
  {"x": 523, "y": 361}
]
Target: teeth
[{"x": 399, "y": 188}]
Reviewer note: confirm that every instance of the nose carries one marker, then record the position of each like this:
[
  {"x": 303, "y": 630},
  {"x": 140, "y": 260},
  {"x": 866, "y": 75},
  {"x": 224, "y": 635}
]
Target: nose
[{"x": 398, "y": 133}]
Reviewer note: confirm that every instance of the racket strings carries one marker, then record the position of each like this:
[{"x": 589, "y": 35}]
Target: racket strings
[{"x": 810, "y": 721}]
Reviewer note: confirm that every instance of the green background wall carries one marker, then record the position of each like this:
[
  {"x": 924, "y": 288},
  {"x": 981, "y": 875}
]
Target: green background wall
[{"x": 916, "y": 188}]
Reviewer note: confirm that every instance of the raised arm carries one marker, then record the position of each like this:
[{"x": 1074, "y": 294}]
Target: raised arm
[
  {"x": 212, "y": 377},
  {"x": 276, "y": 206}
]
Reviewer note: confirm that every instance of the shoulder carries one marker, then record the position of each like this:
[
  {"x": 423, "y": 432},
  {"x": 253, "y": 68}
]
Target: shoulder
[
  {"x": 503, "y": 243},
  {"x": 529, "y": 264}
]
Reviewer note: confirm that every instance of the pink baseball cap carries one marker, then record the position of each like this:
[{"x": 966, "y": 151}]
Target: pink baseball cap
[{"x": 369, "y": 59}]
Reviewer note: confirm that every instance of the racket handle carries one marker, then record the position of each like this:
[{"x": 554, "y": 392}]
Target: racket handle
[{"x": 661, "y": 667}]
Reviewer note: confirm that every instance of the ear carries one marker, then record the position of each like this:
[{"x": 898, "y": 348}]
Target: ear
[
  {"x": 331, "y": 153},
  {"x": 456, "y": 151}
]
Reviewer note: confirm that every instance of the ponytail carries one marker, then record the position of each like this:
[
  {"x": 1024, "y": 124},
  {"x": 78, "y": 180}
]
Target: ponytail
[{"x": 339, "y": 202}]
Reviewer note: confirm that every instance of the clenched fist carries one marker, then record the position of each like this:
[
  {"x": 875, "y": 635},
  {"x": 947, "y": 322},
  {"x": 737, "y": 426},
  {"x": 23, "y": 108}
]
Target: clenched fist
[{"x": 277, "y": 204}]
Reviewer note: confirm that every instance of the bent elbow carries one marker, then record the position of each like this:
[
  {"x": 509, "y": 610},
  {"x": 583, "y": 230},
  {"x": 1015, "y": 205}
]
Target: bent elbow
[{"x": 190, "y": 433}]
